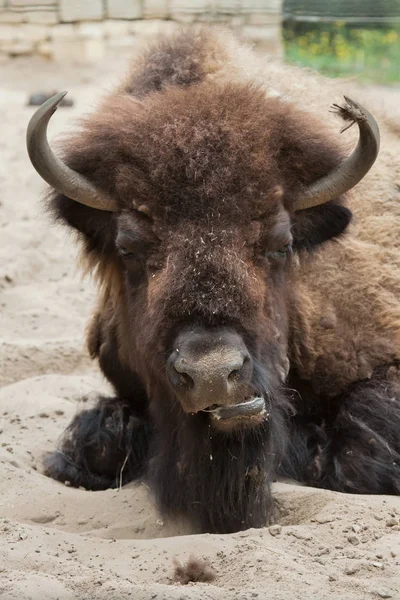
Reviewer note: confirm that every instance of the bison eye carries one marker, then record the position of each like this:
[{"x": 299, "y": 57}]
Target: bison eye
[
  {"x": 131, "y": 259},
  {"x": 281, "y": 253},
  {"x": 133, "y": 265},
  {"x": 125, "y": 253}
]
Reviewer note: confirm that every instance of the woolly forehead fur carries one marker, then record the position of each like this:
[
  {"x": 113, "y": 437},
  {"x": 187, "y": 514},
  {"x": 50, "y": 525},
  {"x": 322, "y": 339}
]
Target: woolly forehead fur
[
  {"x": 194, "y": 153},
  {"x": 188, "y": 144}
]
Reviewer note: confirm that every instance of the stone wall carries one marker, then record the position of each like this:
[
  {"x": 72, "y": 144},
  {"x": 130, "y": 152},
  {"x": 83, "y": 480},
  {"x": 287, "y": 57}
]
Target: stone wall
[{"x": 85, "y": 29}]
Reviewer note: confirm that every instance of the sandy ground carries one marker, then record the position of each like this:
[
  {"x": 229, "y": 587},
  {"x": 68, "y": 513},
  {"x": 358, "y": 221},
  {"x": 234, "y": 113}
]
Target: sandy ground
[{"x": 62, "y": 543}]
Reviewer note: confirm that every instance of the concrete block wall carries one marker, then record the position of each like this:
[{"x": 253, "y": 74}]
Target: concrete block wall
[{"x": 84, "y": 29}]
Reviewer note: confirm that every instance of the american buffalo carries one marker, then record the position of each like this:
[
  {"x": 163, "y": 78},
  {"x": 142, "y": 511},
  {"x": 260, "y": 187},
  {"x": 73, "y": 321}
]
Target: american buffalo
[{"x": 249, "y": 325}]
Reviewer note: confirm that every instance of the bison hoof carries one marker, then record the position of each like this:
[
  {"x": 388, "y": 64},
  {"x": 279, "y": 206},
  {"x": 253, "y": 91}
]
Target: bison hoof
[
  {"x": 104, "y": 447},
  {"x": 61, "y": 467}
]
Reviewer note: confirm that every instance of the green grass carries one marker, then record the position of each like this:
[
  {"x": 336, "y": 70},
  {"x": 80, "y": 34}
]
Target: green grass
[{"x": 372, "y": 55}]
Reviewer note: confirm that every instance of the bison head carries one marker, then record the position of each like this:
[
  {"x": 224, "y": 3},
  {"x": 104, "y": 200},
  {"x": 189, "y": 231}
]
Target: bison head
[{"x": 193, "y": 202}]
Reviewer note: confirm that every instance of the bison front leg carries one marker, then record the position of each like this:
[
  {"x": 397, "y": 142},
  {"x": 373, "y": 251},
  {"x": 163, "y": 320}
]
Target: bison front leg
[
  {"x": 361, "y": 453},
  {"x": 103, "y": 447}
]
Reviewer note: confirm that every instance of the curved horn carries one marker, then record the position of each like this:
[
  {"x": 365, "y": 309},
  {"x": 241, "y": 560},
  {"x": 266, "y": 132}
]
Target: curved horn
[
  {"x": 355, "y": 167},
  {"x": 52, "y": 169}
]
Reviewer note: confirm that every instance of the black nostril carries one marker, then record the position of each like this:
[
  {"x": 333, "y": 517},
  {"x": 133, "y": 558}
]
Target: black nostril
[
  {"x": 178, "y": 378},
  {"x": 234, "y": 375},
  {"x": 185, "y": 380},
  {"x": 242, "y": 370}
]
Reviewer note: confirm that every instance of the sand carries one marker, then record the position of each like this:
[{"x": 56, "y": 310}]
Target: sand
[{"x": 57, "y": 542}]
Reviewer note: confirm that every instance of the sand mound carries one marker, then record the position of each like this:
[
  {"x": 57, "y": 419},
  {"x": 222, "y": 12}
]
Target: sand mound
[{"x": 59, "y": 542}]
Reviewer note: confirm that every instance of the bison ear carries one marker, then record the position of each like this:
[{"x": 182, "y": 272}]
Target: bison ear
[
  {"x": 97, "y": 228},
  {"x": 314, "y": 226}
]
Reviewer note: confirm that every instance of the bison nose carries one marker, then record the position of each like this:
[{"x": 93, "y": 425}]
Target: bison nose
[
  {"x": 214, "y": 378},
  {"x": 208, "y": 369}
]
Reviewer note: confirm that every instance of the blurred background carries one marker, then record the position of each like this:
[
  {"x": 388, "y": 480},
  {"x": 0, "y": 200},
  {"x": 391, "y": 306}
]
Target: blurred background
[
  {"x": 357, "y": 38},
  {"x": 344, "y": 37}
]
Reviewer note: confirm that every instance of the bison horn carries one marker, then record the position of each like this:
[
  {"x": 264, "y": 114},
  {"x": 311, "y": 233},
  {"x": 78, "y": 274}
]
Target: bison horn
[
  {"x": 52, "y": 169},
  {"x": 355, "y": 167}
]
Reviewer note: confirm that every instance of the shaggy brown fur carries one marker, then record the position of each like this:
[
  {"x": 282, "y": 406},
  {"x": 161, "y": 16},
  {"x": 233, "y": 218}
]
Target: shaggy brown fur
[
  {"x": 216, "y": 161},
  {"x": 196, "y": 569}
]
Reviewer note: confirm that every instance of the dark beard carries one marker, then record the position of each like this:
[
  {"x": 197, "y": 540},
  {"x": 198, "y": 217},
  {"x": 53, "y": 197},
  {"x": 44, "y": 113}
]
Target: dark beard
[{"x": 220, "y": 481}]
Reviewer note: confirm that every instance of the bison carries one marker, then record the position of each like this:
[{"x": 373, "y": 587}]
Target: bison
[{"x": 249, "y": 326}]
